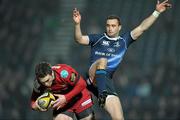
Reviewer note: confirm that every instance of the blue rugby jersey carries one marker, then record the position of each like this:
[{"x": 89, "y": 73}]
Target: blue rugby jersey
[{"x": 113, "y": 49}]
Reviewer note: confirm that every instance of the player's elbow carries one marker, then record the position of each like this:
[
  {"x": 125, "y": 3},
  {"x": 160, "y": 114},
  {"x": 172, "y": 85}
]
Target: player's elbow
[
  {"x": 77, "y": 38},
  {"x": 84, "y": 40},
  {"x": 80, "y": 41}
]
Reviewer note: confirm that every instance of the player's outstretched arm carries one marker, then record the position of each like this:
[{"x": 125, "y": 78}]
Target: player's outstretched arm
[
  {"x": 145, "y": 24},
  {"x": 81, "y": 39}
]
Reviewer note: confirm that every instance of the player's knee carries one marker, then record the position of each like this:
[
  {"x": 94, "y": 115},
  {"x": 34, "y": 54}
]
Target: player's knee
[
  {"x": 102, "y": 60},
  {"x": 114, "y": 108},
  {"x": 102, "y": 63}
]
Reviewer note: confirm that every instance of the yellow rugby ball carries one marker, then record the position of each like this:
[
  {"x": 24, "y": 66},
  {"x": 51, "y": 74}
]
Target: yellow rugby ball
[{"x": 44, "y": 101}]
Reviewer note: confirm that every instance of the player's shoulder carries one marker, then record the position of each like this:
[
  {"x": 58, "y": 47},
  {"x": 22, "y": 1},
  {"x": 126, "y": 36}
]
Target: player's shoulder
[
  {"x": 125, "y": 34},
  {"x": 99, "y": 35},
  {"x": 62, "y": 67},
  {"x": 64, "y": 70}
]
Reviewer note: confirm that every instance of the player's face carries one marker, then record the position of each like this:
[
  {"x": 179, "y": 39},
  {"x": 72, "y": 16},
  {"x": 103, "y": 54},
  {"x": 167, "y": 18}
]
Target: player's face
[
  {"x": 47, "y": 80},
  {"x": 112, "y": 27}
]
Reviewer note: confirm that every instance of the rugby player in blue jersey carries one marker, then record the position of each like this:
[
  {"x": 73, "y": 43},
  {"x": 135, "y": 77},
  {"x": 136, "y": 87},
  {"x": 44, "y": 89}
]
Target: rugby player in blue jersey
[{"x": 107, "y": 51}]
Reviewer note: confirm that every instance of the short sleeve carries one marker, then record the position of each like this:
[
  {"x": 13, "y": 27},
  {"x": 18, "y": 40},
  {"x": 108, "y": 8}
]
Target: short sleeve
[
  {"x": 128, "y": 39},
  {"x": 93, "y": 38}
]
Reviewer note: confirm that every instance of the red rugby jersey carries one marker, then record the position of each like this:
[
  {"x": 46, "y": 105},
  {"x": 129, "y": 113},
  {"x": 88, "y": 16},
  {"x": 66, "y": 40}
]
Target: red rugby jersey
[{"x": 67, "y": 82}]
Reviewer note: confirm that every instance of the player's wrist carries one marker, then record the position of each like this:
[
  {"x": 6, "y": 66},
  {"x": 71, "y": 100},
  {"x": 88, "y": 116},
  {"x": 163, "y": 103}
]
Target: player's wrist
[
  {"x": 67, "y": 97},
  {"x": 77, "y": 24},
  {"x": 156, "y": 13}
]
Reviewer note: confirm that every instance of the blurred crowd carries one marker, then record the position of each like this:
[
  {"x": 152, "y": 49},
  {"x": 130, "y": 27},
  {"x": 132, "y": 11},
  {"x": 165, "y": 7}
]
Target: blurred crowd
[
  {"x": 152, "y": 96},
  {"x": 21, "y": 30}
]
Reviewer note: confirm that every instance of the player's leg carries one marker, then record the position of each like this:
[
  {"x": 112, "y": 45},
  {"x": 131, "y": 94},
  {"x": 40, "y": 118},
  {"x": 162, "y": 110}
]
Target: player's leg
[
  {"x": 99, "y": 64},
  {"x": 98, "y": 74},
  {"x": 64, "y": 116},
  {"x": 101, "y": 74},
  {"x": 114, "y": 108},
  {"x": 90, "y": 79},
  {"x": 112, "y": 103}
]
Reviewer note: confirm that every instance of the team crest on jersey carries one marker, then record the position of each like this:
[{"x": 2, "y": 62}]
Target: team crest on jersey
[
  {"x": 105, "y": 43},
  {"x": 116, "y": 44},
  {"x": 64, "y": 73}
]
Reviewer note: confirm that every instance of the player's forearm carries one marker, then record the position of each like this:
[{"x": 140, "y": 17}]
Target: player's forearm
[
  {"x": 149, "y": 21},
  {"x": 80, "y": 85},
  {"x": 78, "y": 33}
]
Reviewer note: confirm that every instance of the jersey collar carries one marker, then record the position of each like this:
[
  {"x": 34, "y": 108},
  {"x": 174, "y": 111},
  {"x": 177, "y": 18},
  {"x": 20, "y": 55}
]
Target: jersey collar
[{"x": 114, "y": 39}]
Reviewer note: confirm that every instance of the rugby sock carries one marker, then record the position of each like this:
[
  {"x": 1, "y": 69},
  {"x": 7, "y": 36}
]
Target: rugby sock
[{"x": 100, "y": 78}]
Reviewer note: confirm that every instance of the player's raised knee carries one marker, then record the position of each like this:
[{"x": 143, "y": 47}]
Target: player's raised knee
[{"x": 102, "y": 63}]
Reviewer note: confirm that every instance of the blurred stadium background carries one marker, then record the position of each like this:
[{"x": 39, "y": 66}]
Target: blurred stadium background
[{"x": 148, "y": 80}]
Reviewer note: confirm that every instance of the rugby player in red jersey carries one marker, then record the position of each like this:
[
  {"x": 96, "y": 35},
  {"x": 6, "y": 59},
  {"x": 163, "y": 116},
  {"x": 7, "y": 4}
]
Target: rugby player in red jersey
[{"x": 68, "y": 87}]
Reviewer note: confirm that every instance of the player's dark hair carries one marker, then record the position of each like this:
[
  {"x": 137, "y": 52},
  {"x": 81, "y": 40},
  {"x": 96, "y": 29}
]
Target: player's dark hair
[
  {"x": 114, "y": 17},
  {"x": 42, "y": 69}
]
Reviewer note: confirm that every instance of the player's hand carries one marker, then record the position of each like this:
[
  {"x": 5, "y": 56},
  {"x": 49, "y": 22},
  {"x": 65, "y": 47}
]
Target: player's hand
[
  {"x": 37, "y": 107},
  {"x": 161, "y": 7},
  {"x": 59, "y": 102},
  {"x": 76, "y": 16}
]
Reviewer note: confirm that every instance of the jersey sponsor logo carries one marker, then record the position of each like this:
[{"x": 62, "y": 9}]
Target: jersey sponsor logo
[
  {"x": 100, "y": 53},
  {"x": 111, "y": 50},
  {"x": 105, "y": 43},
  {"x": 64, "y": 73},
  {"x": 105, "y": 54}
]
